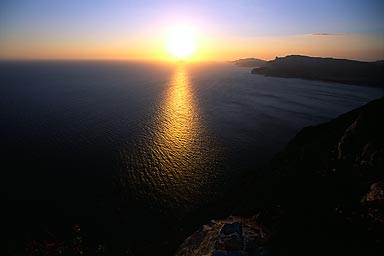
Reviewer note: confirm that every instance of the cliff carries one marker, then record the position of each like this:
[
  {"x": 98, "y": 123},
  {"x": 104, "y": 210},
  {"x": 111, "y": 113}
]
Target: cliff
[
  {"x": 322, "y": 195},
  {"x": 325, "y": 69}
]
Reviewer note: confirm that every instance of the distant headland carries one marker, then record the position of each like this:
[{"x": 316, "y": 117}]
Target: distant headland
[
  {"x": 249, "y": 62},
  {"x": 324, "y": 69}
]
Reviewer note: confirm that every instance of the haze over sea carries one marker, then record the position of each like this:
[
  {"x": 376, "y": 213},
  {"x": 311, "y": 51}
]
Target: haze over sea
[{"x": 164, "y": 139}]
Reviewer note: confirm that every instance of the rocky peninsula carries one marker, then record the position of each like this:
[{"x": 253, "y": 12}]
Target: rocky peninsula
[{"x": 324, "y": 69}]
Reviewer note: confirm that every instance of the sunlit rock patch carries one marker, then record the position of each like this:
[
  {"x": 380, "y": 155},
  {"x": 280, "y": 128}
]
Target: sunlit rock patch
[{"x": 233, "y": 236}]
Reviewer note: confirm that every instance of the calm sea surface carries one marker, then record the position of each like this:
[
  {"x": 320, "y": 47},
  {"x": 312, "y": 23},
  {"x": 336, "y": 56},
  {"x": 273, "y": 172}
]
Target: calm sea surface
[{"x": 154, "y": 141}]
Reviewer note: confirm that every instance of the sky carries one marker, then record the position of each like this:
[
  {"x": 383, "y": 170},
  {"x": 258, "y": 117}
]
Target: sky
[{"x": 224, "y": 30}]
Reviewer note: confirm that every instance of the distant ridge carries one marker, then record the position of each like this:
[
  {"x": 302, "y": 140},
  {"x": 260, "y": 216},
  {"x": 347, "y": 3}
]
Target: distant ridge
[
  {"x": 249, "y": 62},
  {"x": 325, "y": 69}
]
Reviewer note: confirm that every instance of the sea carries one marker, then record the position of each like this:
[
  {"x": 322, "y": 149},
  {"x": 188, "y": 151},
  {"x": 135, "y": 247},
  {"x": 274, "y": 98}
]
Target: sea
[{"x": 132, "y": 152}]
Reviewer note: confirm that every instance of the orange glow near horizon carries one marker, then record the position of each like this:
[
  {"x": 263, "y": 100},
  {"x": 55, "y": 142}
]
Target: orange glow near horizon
[
  {"x": 196, "y": 47},
  {"x": 191, "y": 31}
]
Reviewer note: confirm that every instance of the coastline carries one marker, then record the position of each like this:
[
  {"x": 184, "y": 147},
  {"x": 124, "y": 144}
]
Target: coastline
[
  {"x": 324, "y": 188},
  {"x": 324, "y": 69}
]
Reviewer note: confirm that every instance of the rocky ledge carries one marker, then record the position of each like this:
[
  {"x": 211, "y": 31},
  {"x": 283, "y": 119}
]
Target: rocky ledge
[
  {"x": 322, "y": 195},
  {"x": 233, "y": 236}
]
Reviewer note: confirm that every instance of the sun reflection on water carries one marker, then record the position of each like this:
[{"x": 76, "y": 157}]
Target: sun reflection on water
[
  {"x": 178, "y": 121},
  {"x": 173, "y": 163}
]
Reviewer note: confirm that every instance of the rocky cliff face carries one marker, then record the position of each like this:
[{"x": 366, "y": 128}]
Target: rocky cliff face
[
  {"x": 353, "y": 143},
  {"x": 337, "y": 168},
  {"x": 231, "y": 236},
  {"x": 323, "y": 194}
]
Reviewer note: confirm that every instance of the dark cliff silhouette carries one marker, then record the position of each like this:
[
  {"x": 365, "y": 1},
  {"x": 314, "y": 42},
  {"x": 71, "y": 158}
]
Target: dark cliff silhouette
[
  {"x": 325, "y": 69},
  {"x": 331, "y": 184},
  {"x": 322, "y": 195}
]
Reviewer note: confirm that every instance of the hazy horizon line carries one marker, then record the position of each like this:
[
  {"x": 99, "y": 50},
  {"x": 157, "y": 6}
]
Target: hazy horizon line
[{"x": 171, "y": 60}]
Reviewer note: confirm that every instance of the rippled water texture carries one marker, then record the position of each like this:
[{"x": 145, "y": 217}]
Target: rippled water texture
[
  {"x": 172, "y": 136},
  {"x": 172, "y": 160}
]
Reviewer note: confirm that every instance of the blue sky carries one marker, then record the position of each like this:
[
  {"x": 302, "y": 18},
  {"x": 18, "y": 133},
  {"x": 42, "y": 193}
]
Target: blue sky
[{"x": 75, "y": 20}]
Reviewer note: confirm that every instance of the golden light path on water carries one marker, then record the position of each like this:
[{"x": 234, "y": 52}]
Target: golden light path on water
[{"x": 175, "y": 162}]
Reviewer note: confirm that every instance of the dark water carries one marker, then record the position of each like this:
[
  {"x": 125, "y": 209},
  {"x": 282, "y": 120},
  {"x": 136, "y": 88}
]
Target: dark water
[{"x": 81, "y": 141}]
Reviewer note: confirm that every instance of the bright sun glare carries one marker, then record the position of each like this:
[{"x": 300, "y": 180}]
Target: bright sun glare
[{"x": 181, "y": 42}]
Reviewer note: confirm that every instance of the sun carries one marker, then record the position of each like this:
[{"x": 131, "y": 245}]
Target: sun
[{"x": 181, "y": 43}]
